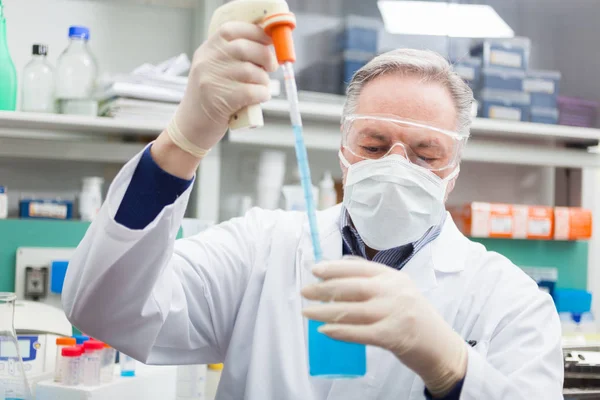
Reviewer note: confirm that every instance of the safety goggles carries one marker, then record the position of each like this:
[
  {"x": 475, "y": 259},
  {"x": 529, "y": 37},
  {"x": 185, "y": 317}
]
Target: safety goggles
[{"x": 374, "y": 136}]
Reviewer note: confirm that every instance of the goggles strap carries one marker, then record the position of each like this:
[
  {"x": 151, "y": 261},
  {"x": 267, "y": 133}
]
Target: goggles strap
[{"x": 343, "y": 159}]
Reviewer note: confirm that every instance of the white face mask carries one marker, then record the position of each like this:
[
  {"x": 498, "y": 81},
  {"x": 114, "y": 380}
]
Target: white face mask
[{"x": 393, "y": 202}]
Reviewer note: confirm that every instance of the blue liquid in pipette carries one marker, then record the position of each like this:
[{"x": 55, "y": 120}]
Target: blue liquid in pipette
[
  {"x": 327, "y": 358},
  {"x": 305, "y": 180}
]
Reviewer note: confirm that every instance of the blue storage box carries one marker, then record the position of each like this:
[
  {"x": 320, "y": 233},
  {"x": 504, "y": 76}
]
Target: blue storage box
[
  {"x": 57, "y": 276},
  {"x": 360, "y": 34},
  {"x": 504, "y": 104},
  {"x": 543, "y": 86},
  {"x": 470, "y": 70},
  {"x": 353, "y": 61},
  {"x": 505, "y": 53},
  {"x": 502, "y": 78},
  {"x": 46, "y": 208},
  {"x": 544, "y": 115},
  {"x": 572, "y": 300}
]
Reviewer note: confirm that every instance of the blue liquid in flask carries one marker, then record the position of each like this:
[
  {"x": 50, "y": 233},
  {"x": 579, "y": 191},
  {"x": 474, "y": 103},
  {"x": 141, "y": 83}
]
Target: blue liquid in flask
[{"x": 330, "y": 358}]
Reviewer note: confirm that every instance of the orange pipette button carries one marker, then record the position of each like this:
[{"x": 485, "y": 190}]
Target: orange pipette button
[{"x": 279, "y": 27}]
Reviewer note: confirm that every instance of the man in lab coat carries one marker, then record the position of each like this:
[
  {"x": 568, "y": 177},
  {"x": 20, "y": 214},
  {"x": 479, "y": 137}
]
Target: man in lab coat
[{"x": 442, "y": 317}]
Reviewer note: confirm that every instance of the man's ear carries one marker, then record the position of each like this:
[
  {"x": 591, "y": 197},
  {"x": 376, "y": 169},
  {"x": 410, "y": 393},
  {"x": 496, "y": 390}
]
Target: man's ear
[
  {"x": 450, "y": 187},
  {"x": 343, "y": 169}
]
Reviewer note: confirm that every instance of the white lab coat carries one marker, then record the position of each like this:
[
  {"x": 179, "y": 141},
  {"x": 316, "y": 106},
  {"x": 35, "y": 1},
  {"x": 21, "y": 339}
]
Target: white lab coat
[{"x": 231, "y": 294}]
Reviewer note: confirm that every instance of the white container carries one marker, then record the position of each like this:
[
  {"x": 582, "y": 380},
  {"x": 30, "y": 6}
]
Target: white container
[
  {"x": 191, "y": 382},
  {"x": 245, "y": 205},
  {"x": 76, "y": 70},
  {"x": 213, "y": 377},
  {"x": 90, "y": 199},
  {"x": 271, "y": 173},
  {"x": 37, "y": 83},
  {"x": 293, "y": 197},
  {"x": 3, "y": 202},
  {"x": 327, "y": 193}
]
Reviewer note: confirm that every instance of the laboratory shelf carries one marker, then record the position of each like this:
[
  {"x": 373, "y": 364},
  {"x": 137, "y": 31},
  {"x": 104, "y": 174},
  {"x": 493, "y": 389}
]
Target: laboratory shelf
[
  {"x": 98, "y": 139},
  {"x": 70, "y": 137},
  {"x": 323, "y": 112},
  {"x": 34, "y": 125},
  {"x": 531, "y": 130}
]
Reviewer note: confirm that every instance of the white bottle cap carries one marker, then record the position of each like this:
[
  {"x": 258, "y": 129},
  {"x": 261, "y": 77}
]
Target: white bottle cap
[
  {"x": 93, "y": 181},
  {"x": 327, "y": 182}
]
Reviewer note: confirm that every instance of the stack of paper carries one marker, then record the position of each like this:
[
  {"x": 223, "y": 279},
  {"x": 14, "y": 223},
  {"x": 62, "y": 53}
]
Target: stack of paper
[
  {"x": 127, "y": 108},
  {"x": 150, "y": 92}
]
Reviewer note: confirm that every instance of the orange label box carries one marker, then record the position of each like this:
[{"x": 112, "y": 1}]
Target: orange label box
[
  {"x": 495, "y": 220},
  {"x": 572, "y": 223}
]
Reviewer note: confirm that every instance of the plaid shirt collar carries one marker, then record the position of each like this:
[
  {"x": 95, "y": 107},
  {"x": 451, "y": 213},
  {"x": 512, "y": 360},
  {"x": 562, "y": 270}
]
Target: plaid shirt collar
[{"x": 395, "y": 257}]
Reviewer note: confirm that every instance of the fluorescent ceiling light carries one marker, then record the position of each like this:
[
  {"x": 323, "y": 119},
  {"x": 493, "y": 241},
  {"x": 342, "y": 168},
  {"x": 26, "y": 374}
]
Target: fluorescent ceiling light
[{"x": 443, "y": 19}]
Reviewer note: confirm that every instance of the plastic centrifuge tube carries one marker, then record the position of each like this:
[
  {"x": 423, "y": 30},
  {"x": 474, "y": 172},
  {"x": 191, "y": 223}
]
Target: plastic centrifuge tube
[
  {"x": 327, "y": 358},
  {"x": 61, "y": 343},
  {"x": 92, "y": 362},
  {"x": 71, "y": 366},
  {"x": 107, "y": 370}
]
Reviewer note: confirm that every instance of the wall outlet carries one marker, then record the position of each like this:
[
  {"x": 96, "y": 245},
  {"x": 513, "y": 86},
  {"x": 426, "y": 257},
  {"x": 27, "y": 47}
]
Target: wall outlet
[{"x": 33, "y": 273}]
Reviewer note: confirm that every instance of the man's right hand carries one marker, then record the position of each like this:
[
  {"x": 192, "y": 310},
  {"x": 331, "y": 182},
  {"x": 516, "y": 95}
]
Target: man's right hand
[{"x": 229, "y": 72}]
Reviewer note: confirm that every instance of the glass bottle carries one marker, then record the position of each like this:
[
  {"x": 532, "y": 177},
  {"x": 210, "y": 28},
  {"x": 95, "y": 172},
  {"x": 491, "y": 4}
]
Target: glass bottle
[
  {"x": 37, "y": 93},
  {"x": 13, "y": 382},
  {"x": 76, "y": 72},
  {"x": 8, "y": 73}
]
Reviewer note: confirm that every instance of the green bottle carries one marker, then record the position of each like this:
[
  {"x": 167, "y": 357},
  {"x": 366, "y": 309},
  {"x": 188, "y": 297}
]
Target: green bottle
[{"x": 8, "y": 73}]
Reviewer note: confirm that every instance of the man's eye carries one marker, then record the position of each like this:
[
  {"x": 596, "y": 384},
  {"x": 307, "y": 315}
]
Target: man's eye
[
  {"x": 428, "y": 159},
  {"x": 372, "y": 150}
]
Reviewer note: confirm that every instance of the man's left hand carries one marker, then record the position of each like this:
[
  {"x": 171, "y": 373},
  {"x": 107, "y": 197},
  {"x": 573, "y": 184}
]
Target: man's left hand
[{"x": 373, "y": 304}]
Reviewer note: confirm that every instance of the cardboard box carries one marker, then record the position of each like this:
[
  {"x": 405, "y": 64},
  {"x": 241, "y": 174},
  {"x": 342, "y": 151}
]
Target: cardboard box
[
  {"x": 572, "y": 223},
  {"x": 539, "y": 222},
  {"x": 484, "y": 219},
  {"x": 495, "y": 220}
]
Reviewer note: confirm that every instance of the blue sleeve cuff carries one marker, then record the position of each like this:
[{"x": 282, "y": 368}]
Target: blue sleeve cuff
[
  {"x": 453, "y": 395},
  {"x": 151, "y": 189}
]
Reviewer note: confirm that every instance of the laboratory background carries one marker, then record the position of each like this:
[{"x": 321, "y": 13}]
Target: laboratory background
[{"x": 85, "y": 85}]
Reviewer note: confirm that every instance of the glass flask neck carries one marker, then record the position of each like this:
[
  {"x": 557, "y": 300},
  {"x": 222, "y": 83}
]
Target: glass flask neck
[
  {"x": 3, "y": 40},
  {"x": 7, "y": 311},
  {"x": 77, "y": 43}
]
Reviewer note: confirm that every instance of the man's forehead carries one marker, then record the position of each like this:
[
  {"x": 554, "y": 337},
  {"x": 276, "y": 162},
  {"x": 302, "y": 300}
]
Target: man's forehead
[{"x": 409, "y": 97}]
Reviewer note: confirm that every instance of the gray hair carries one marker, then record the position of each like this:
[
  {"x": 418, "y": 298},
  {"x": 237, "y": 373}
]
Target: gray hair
[{"x": 427, "y": 65}]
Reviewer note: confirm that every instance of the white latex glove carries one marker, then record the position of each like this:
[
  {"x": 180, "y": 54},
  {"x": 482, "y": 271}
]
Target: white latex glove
[
  {"x": 373, "y": 304},
  {"x": 228, "y": 72}
]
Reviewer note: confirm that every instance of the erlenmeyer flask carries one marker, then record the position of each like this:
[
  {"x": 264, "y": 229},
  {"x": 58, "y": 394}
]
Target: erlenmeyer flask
[{"x": 13, "y": 382}]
